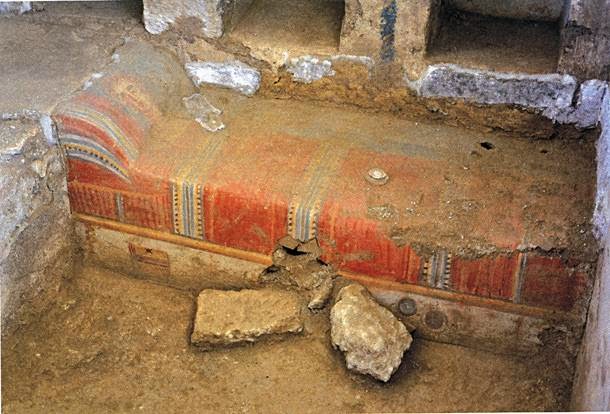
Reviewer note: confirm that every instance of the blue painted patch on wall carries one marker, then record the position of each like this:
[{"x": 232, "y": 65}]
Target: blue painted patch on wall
[{"x": 388, "y": 24}]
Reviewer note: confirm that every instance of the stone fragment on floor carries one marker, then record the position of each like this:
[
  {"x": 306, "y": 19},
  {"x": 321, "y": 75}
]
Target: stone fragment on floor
[
  {"x": 206, "y": 114},
  {"x": 231, "y": 317},
  {"x": 371, "y": 337},
  {"x": 296, "y": 264},
  {"x": 321, "y": 292},
  {"x": 234, "y": 75},
  {"x": 15, "y": 7}
]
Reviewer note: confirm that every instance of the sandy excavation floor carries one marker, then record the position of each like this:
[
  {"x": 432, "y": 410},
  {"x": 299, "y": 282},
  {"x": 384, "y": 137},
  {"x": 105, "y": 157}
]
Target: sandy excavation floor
[{"x": 116, "y": 344}]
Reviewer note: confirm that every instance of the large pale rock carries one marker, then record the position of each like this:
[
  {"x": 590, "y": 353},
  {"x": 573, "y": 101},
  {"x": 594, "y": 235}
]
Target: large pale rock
[
  {"x": 586, "y": 112},
  {"x": 551, "y": 92},
  {"x": 232, "y": 317},
  {"x": 371, "y": 337}
]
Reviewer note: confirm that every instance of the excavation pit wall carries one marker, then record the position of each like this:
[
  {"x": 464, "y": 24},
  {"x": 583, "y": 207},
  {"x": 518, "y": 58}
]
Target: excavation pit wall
[
  {"x": 36, "y": 247},
  {"x": 538, "y": 105},
  {"x": 361, "y": 79},
  {"x": 591, "y": 383}
]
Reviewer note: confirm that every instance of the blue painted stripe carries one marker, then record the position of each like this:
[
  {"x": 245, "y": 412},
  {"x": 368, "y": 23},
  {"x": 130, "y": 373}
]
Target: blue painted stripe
[
  {"x": 103, "y": 122},
  {"x": 86, "y": 142},
  {"x": 388, "y": 27},
  {"x": 118, "y": 200}
]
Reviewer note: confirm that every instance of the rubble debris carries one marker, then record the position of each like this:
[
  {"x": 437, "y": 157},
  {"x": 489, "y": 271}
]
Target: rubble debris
[
  {"x": 298, "y": 265},
  {"x": 371, "y": 337},
  {"x": 233, "y": 75},
  {"x": 307, "y": 68},
  {"x": 206, "y": 114},
  {"x": 232, "y": 317},
  {"x": 321, "y": 293},
  {"x": 15, "y": 7}
]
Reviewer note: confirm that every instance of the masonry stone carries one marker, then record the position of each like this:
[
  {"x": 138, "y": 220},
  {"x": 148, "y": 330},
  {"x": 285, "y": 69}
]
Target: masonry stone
[
  {"x": 486, "y": 87},
  {"x": 15, "y": 8},
  {"x": 226, "y": 318},
  {"x": 586, "y": 112},
  {"x": 371, "y": 337},
  {"x": 202, "y": 17},
  {"x": 585, "y": 40}
]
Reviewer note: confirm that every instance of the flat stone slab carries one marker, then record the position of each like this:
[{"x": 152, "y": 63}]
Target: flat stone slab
[
  {"x": 231, "y": 317},
  {"x": 547, "y": 91}
]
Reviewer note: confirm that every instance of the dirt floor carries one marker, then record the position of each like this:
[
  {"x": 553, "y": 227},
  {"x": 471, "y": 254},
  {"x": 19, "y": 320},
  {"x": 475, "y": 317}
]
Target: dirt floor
[{"x": 116, "y": 344}]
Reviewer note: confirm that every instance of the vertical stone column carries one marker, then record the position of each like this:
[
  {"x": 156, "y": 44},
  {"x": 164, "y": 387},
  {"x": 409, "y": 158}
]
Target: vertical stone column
[
  {"x": 585, "y": 40},
  {"x": 392, "y": 32},
  {"x": 360, "y": 31},
  {"x": 194, "y": 17},
  {"x": 417, "y": 26}
]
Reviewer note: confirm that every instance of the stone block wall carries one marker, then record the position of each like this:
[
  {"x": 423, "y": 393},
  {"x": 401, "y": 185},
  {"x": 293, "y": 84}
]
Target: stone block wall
[
  {"x": 35, "y": 228},
  {"x": 585, "y": 40},
  {"x": 401, "y": 32},
  {"x": 388, "y": 50}
]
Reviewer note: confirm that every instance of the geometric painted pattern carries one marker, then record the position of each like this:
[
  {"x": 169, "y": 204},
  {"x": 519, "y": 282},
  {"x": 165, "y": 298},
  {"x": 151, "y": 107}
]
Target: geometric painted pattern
[
  {"x": 305, "y": 204},
  {"x": 187, "y": 209},
  {"x": 437, "y": 270},
  {"x": 219, "y": 188}
]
